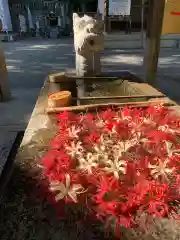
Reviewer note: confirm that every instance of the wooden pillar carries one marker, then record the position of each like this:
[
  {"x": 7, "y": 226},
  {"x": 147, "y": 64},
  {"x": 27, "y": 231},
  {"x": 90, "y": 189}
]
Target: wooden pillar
[
  {"x": 5, "y": 93},
  {"x": 152, "y": 49},
  {"x": 106, "y": 16}
]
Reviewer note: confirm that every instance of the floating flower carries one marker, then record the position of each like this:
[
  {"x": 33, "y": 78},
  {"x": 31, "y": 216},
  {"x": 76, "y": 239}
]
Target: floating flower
[
  {"x": 88, "y": 163},
  {"x": 161, "y": 169},
  {"x": 116, "y": 167},
  {"x": 121, "y": 147},
  {"x": 100, "y": 123},
  {"x": 101, "y": 152},
  {"x": 66, "y": 190},
  {"x": 73, "y": 132},
  {"x": 74, "y": 149},
  {"x": 171, "y": 151}
]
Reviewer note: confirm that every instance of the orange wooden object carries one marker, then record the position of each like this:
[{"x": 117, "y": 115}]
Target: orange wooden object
[{"x": 59, "y": 99}]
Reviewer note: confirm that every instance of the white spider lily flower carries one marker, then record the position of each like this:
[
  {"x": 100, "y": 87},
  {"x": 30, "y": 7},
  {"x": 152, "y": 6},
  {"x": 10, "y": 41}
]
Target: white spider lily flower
[
  {"x": 144, "y": 140},
  {"x": 65, "y": 190},
  {"x": 88, "y": 163},
  {"x": 123, "y": 146},
  {"x": 74, "y": 149},
  {"x": 101, "y": 153},
  {"x": 161, "y": 169},
  {"x": 114, "y": 130},
  {"x": 170, "y": 150},
  {"x": 116, "y": 167},
  {"x": 106, "y": 140},
  {"x": 167, "y": 129},
  {"x": 100, "y": 123},
  {"x": 121, "y": 117},
  {"x": 148, "y": 121},
  {"x": 73, "y": 132},
  {"x": 100, "y": 149}
]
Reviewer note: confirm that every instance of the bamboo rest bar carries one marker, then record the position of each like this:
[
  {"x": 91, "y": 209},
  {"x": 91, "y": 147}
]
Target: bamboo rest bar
[
  {"x": 92, "y": 107},
  {"x": 120, "y": 97}
]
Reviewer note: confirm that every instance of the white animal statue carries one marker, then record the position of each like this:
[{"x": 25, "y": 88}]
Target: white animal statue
[{"x": 88, "y": 43}]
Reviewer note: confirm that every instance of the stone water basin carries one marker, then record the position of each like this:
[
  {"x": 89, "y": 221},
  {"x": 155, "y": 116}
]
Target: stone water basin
[{"x": 119, "y": 87}]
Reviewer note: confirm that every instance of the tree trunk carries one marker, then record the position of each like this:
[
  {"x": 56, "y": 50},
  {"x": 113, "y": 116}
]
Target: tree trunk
[
  {"x": 155, "y": 19},
  {"x": 5, "y": 93},
  {"x": 106, "y": 16}
]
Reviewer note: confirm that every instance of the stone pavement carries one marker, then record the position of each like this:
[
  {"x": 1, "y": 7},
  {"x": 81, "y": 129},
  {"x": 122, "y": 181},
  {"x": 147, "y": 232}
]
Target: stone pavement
[
  {"x": 30, "y": 61},
  {"x": 137, "y": 40}
]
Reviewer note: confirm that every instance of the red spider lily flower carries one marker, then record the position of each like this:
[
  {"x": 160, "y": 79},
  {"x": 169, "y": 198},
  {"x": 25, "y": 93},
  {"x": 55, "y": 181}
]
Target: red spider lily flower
[
  {"x": 157, "y": 112},
  {"x": 56, "y": 164},
  {"x": 109, "y": 125},
  {"x": 87, "y": 121},
  {"x": 105, "y": 184},
  {"x": 59, "y": 141},
  {"x": 126, "y": 112},
  {"x": 178, "y": 180},
  {"x": 176, "y": 189},
  {"x": 92, "y": 138},
  {"x": 158, "y": 136},
  {"x": 138, "y": 193},
  {"x": 122, "y": 129},
  {"x": 107, "y": 115},
  {"x": 49, "y": 159},
  {"x": 66, "y": 118},
  {"x": 136, "y": 172},
  {"x": 158, "y": 191},
  {"x": 158, "y": 209}
]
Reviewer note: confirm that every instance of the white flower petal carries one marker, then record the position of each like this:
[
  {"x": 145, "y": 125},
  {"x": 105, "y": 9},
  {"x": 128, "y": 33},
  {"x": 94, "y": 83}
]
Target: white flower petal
[
  {"x": 68, "y": 180},
  {"x": 73, "y": 196},
  {"x": 77, "y": 187},
  {"x": 59, "y": 187},
  {"x": 59, "y": 196}
]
